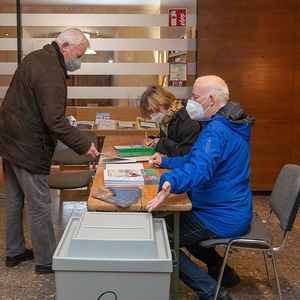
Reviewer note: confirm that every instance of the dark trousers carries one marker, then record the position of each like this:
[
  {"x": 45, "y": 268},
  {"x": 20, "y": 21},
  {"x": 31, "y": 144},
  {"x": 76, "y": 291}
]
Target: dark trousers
[{"x": 192, "y": 231}]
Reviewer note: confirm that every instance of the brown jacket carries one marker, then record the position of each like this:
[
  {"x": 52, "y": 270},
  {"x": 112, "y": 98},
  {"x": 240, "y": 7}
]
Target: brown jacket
[{"x": 32, "y": 115}]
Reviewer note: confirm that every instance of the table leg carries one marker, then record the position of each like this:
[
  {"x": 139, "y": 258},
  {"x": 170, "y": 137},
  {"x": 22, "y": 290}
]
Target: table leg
[
  {"x": 176, "y": 249},
  {"x": 175, "y": 235}
]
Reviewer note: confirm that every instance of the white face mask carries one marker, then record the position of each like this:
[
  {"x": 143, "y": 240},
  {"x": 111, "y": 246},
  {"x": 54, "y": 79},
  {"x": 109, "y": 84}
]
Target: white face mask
[
  {"x": 195, "y": 109},
  {"x": 73, "y": 64},
  {"x": 157, "y": 117}
]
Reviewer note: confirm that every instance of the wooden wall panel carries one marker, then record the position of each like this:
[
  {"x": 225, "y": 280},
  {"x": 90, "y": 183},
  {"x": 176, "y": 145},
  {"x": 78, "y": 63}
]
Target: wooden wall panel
[
  {"x": 251, "y": 45},
  {"x": 296, "y": 102}
]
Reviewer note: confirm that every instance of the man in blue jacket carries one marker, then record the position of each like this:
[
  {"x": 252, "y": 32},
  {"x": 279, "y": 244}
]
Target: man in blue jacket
[{"x": 216, "y": 175}]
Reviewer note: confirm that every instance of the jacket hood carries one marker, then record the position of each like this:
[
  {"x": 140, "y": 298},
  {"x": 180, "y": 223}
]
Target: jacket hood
[{"x": 234, "y": 117}]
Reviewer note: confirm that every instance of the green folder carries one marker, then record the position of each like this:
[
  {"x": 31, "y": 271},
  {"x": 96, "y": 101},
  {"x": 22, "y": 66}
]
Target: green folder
[{"x": 134, "y": 151}]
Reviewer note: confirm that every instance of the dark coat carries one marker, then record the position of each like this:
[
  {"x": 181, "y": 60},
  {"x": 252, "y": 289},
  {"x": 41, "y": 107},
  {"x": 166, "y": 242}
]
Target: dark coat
[
  {"x": 182, "y": 134},
  {"x": 32, "y": 115}
]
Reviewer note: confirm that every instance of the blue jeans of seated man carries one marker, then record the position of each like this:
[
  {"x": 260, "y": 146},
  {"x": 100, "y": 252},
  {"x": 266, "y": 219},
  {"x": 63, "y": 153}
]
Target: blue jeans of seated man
[
  {"x": 192, "y": 231},
  {"x": 21, "y": 185}
]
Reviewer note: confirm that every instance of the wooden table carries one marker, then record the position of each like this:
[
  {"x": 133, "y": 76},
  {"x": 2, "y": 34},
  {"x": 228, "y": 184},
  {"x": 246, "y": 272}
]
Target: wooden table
[{"x": 173, "y": 204}]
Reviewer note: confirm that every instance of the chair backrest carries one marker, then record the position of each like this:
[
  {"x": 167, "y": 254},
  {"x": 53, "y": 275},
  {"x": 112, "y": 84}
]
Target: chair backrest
[
  {"x": 285, "y": 196},
  {"x": 92, "y": 136},
  {"x": 70, "y": 157}
]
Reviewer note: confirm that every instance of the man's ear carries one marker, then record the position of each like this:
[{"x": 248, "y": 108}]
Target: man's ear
[
  {"x": 64, "y": 46},
  {"x": 212, "y": 99}
]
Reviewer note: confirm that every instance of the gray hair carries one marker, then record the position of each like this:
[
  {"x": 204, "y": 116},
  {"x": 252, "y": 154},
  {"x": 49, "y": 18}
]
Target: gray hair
[
  {"x": 73, "y": 36},
  {"x": 216, "y": 85}
]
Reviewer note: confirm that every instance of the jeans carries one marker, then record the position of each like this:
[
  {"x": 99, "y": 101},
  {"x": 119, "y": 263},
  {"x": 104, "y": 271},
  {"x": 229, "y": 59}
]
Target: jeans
[
  {"x": 21, "y": 185},
  {"x": 192, "y": 231}
]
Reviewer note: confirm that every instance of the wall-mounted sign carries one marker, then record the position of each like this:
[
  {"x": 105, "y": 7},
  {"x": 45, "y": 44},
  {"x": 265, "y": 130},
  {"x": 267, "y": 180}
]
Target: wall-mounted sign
[
  {"x": 177, "y": 17},
  {"x": 178, "y": 71}
]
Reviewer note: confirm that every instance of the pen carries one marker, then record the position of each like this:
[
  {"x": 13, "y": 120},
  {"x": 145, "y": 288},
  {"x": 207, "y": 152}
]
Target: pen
[{"x": 146, "y": 136}]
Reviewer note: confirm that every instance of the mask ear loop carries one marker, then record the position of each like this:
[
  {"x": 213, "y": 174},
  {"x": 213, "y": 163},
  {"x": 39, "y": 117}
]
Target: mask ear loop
[
  {"x": 207, "y": 109},
  {"x": 203, "y": 102},
  {"x": 205, "y": 99},
  {"x": 72, "y": 51}
]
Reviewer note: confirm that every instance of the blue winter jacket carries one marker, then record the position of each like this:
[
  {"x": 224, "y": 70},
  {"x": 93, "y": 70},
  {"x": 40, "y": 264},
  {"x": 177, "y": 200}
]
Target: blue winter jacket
[{"x": 216, "y": 172}]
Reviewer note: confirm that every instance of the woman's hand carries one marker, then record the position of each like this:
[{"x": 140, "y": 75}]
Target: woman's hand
[
  {"x": 148, "y": 143},
  {"x": 160, "y": 197},
  {"x": 155, "y": 141}
]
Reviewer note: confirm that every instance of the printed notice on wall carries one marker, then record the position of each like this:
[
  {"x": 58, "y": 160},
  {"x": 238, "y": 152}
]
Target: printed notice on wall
[
  {"x": 178, "y": 72},
  {"x": 177, "y": 17}
]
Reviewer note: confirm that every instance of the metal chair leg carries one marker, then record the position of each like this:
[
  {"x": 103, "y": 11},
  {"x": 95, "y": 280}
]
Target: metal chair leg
[
  {"x": 267, "y": 268},
  {"x": 276, "y": 275},
  {"x": 221, "y": 272}
]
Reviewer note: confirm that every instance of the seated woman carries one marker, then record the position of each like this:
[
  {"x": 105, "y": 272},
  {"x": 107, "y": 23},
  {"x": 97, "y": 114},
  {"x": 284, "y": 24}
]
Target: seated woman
[{"x": 178, "y": 132}]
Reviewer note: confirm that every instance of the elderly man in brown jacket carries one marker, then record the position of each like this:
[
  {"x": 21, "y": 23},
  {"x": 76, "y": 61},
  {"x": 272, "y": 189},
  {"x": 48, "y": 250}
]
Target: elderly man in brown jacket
[{"x": 32, "y": 118}]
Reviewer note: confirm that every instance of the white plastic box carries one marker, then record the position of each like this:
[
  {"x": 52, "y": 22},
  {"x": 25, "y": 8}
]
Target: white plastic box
[{"x": 113, "y": 256}]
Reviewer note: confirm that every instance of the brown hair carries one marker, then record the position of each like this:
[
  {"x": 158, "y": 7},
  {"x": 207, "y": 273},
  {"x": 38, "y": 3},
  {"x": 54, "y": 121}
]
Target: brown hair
[{"x": 154, "y": 96}]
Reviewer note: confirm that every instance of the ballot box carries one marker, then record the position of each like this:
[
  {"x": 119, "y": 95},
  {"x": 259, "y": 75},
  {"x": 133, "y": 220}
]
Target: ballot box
[{"x": 113, "y": 256}]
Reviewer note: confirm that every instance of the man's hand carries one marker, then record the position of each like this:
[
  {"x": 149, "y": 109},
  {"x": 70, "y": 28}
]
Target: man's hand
[
  {"x": 156, "y": 160},
  {"x": 160, "y": 197},
  {"x": 92, "y": 151}
]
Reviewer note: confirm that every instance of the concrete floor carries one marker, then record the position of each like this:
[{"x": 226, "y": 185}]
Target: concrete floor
[{"x": 21, "y": 282}]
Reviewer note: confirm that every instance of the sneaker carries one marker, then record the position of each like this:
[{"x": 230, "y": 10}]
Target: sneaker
[
  {"x": 43, "y": 269},
  {"x": 230, "y": 278},
  {"x": 12, "y": 261}
]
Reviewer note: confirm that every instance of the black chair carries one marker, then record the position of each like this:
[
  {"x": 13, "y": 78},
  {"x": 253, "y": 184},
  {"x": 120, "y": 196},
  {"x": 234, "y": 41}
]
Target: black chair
[
  {"x": 83, "y": 169},
  {"x": 284, "y": 202}
]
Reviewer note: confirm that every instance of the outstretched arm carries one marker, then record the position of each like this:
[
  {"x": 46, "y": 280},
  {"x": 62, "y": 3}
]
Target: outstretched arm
[
  {"x": 92, "y": 151},
  {"x": 160, "y": 197}
]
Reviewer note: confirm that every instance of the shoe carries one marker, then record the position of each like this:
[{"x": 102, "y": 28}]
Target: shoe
[
  {"x": 225, "y": 297},
  {"x": 12, "y": 261},
  {"x": 230, "y": 278},
  {"x": 43, "y": 269}
]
